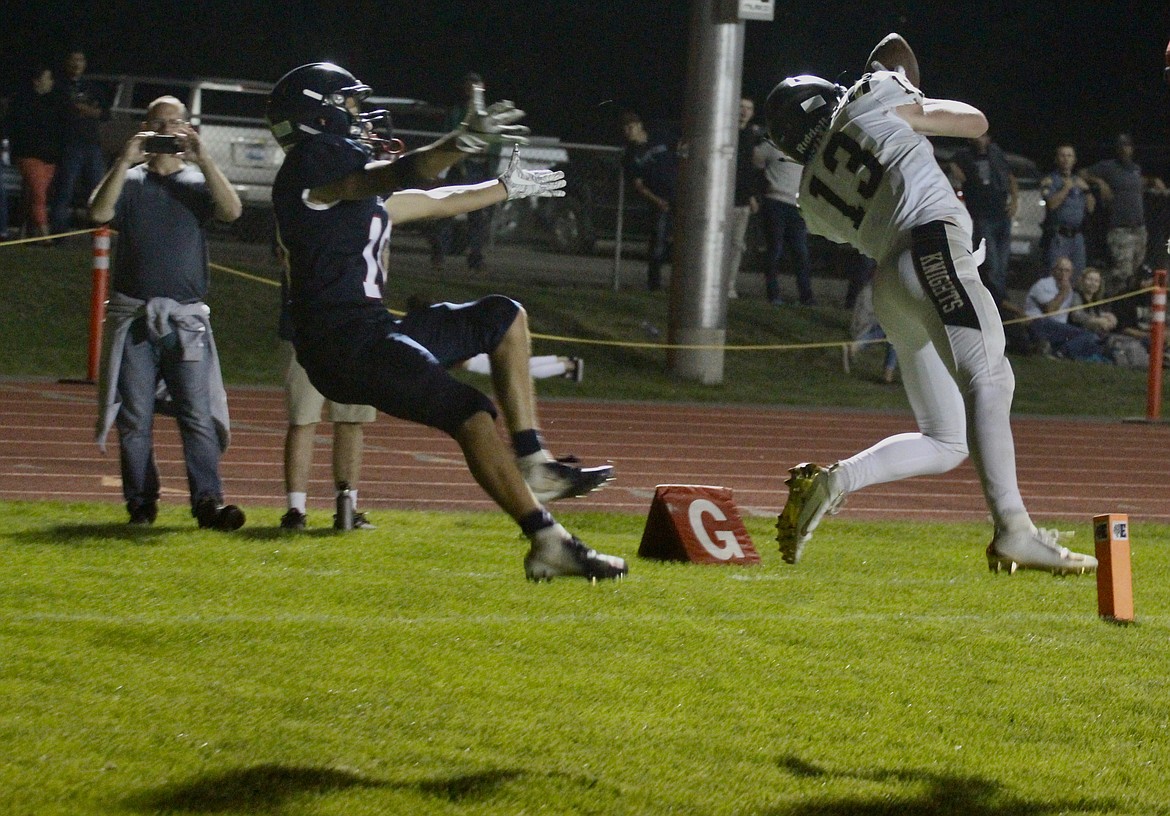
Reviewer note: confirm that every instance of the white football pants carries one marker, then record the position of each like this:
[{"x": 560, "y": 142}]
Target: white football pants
[{"x": 947, "y": 331}]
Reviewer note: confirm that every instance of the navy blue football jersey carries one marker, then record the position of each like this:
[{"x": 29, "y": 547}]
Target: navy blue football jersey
[{"x": 335, "y": 272}]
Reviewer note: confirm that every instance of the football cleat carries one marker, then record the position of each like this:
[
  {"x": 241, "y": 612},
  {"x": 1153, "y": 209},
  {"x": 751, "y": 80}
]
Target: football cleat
[
  {"x": 810, "y": 497},
  {"x": 555, "y": 552},
  {"x": 576, "y": 371},
  {"x": 294, "y": 519},
  {"x": 1037, "y": 549},
  {"x": 563, "y": 479}
]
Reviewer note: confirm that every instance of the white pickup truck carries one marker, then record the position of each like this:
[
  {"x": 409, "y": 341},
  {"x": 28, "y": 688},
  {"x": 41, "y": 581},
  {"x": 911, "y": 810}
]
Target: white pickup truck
[{"x": 229, "y": 115}]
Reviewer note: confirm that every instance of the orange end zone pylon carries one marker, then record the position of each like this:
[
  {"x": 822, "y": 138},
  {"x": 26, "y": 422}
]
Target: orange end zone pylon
[{"x": 1114, "y": 572}]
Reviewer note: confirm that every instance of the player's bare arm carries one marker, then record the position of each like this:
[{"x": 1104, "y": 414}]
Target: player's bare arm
[
  {"x": 944, "y": 117},
  {"x": 443, "y": 202}
]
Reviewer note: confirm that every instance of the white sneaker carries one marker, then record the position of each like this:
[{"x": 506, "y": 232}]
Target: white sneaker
[
  {"x": 810, "y": 497},
  {"x": 1037, "y": 549},
  {"x": 563, "y": 479},
  {"x": 556, "y": 552}
]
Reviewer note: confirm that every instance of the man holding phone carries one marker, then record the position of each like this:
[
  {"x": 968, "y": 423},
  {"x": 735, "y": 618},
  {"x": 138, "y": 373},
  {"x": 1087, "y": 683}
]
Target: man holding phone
[{"x": 160, "y": 194}]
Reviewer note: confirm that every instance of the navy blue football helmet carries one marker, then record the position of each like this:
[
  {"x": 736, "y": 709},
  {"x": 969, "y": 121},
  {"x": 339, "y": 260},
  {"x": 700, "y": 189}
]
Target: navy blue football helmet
[
  {"x": 311, "y": 99},
  {"x": 798, "y": 112}
]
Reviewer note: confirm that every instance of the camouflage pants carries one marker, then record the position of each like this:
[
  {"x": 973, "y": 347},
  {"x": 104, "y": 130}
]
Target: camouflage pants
[{"x": 1127, "y": 250}]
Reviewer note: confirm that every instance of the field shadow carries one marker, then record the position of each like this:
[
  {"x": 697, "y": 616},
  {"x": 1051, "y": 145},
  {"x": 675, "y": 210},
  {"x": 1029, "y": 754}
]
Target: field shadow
[
  {"x": 266, "y": 788},
  {"x": 951, "y": 795},
  {"x": 257, "y": 789},
  {"x": 83, "y": 535},
  {"x": 100, "y": 534}
]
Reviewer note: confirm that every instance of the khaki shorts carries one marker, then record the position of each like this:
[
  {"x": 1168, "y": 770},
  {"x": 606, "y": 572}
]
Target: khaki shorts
[{"x": 304, "y": 402}]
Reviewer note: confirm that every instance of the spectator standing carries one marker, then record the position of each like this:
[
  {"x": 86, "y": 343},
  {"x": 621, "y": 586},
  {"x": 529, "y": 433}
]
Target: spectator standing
[
  {"x": 783, "y": 224},
  {"x": 159, "y": 324},
  {"x": 1048, "y": 303},
  {"x": 990, "y": 192},
  {"x": 868, "y": 331},
  {"x": 333, "y": 220},
  {"x": 746, "y": 201},
  {"x": 651, "y": 166},
  {"x": 305, "y": 404},
  {"x": 1120, "y": 183},
  {"x": 36, "y": 131},
  {"x": 5, "y": 162},
  {"x": 82, "y": 162},
  {"x": 472, "y": 170},
  {"x": 1068, "y": 199}
]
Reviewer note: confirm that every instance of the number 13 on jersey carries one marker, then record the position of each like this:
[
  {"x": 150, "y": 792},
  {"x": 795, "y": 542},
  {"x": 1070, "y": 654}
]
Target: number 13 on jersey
[{"x": 846, "y": 192}]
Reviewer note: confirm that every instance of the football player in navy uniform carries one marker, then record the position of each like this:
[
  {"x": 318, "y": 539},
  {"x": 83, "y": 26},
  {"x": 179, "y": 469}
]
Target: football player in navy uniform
[
  {"x": 334, "y": 210},
  {"x": 870, "y": 179}
]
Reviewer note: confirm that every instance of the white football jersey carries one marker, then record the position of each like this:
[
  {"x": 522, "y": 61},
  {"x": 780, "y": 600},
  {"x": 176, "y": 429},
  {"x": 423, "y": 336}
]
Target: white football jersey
[{"x": 874, "y": 177}]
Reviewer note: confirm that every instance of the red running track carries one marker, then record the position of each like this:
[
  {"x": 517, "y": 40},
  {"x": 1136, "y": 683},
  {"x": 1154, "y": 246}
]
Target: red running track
[{"x": 1069, "y": 469}]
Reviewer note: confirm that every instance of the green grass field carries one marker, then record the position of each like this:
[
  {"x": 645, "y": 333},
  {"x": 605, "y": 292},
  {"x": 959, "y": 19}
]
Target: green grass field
[
  {"x": 413, "y": 671},
  {"x": 416, "y": 672}
]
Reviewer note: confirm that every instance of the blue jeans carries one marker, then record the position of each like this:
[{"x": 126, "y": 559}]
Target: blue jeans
[
  {"x": 1067, "y": 246},
  {"x": 997, "y": 231},
  {"x": 786, "y": 229},
  {"x": 143, "y": 364},
  {"x": 1067, "y": 340},
  {"x": 82, "y": 163},
  {"x": 875, "y": 333},
  {"x": 3, "y": 211},
  {"x": 659, "y": 249}
]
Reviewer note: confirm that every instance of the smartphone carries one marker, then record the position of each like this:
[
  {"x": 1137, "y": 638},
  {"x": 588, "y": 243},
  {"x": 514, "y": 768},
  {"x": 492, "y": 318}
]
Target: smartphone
[{"x": 161, "y": 143}]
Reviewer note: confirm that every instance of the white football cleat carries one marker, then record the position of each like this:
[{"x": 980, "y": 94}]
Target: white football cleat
[
  {"x": 556, "y": 552},
  {"x": 1037, "y": 549},
  {"x": 563, "y": 478}
]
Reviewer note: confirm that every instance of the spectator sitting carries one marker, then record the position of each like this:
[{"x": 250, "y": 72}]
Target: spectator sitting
[
  {"x": 1135, "y": 316},
  {"x": 1048, "y": 303},
  {"x": 1088, "y": 293}
]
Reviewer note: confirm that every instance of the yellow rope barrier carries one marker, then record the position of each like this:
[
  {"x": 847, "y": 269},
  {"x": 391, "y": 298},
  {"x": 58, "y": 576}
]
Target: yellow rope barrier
[{"x": 645, "y": 345}]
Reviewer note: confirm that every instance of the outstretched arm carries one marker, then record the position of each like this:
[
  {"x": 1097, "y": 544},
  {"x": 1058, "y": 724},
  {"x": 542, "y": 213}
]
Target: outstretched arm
[
  {"x": 444, "y": 202},
  {"x": 944, "y": 117}
]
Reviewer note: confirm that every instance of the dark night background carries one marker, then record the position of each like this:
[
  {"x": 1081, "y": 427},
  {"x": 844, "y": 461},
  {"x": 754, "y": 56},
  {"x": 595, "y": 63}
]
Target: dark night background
[{"x": 1044, "y": 72}]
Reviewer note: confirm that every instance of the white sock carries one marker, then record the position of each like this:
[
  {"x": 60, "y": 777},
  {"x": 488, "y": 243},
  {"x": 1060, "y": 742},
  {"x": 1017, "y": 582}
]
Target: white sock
[
  {"x": 535, "y": 458},
  {"x": 479, "y": 364},
  {"x": 296, "y": 501},
  {"x": 548, "y": 365}
]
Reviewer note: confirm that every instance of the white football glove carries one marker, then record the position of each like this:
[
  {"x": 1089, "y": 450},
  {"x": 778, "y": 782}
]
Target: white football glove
[
  {"x": 483, "y": 127},
  {"x": 521, "y": 183}
]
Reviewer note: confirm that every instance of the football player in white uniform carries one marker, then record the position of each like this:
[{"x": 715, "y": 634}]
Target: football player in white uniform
[{"x": 870, "y": 179}]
